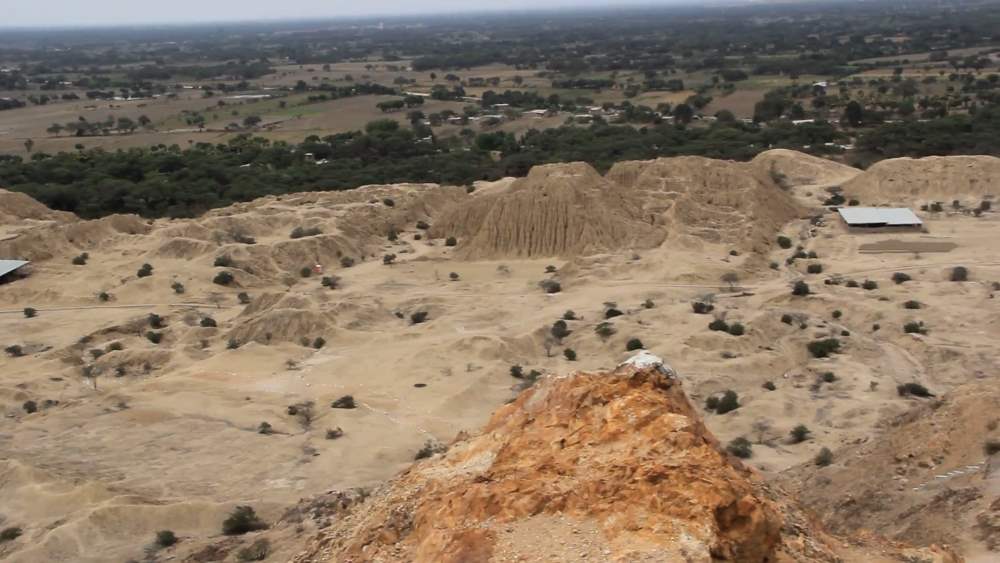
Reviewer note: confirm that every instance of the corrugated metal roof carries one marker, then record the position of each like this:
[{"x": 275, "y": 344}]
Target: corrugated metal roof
[
  {"x": 8, "y": 266},
  {"x": 897, "y": 216}
]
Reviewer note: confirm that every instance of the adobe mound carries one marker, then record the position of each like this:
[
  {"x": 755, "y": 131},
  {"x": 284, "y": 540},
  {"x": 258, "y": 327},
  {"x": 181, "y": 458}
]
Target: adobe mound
[
  {"x": 557, "y": 210},
  {"x": 898, "y": 181},
  {"x": 717, "y": 201},
  {"x": 617, "y": 466},
  {"x": 16, "y": 206},
  {"x": 791, "y": 169}
]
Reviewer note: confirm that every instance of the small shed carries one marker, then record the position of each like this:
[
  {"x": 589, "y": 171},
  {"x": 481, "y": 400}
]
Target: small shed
[
  {"x": 11, "y": 269},
  {"x": 874, "y": 217}
]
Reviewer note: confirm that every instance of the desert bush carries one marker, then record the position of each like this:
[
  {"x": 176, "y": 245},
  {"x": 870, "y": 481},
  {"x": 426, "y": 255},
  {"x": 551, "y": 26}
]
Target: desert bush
[
  {"x": 208, "y": 322},
  {"x": 388, "y": 202},
  {"x": 787, "y": 319},
  {"x": 828, "y": 377},
  {"x": 823, "y": 348},
  {"x": 299, "y": 232},
  {"x": 81, "y": 259},
  {"x": 115, "y": 347},
  {"x": 560, "y": 330},
  {"x": 800, "y": 288},
  {"x": 165, "y": 538},
  {"x": 991, "y": 447},
  {"x": 334, "y": 433},
  {"x": 242, "y": 520},
  {"x": 453, "y": 276},
  {"x": 740, "y": 447},
  {"x": 876, "y": 327},
  {"x": 911, "y": 304},
  {"x": 569, "y": 316},
  {"x": 144, "y": 271},
  {"x": 702, "y": 308},
  {"x": 648, "y": 304},
  {"x": 330, "y": 282},
  {"x": 915, "y": 327},
  {"x": 244, "y": 239},
  {"x": 605, "y": 330},
  {"x": 418, "y": 317},
  {"x": 913, "y": 388},
  {"x": 774, "y": 265},
  {"x": 959, "y": 274},
  {"x": 304, "y": 412},
  {"x": 814, "y": 268},
  {"x": 451, "y": 241},
  {"x": 223, "y": 261},
  {"x": 96, "y": 353},
  {"x": 10, "y": 534},
  {"x": 869, "y": 285},
  {"x": 517, "y": 371},
  {"x": 611, "y": 313},
  {"x": 900, "y": 277},
  {"x": 837, "y": 313},
  {"x": 550, "y": 269},
  {"x": 824, "y": 457},
  {"x": 430, "y": 449},
  {"x": 346, "y": 262},
  {"x": 784, "y": 242},
  {"x": 223, "y": 278},
  {"x": 154, "y": 337},
  {"x": 104, "y": 297},
  {"x": 569, "y": 354},
  {"x": 389, "y": 259},
  {"x": 305, "y": 271},
  {"x": 318, "y": 342},
  {"x": 729, "y": 401},
  {"x": 178, "y": 287},
  {"x": 392, "y": 234},
  {"x": 155, "y": 321},
  {"x": 736, "y": 329},
  {"x": 243, "y": 297},
  {"x": 633, "y": 344},
  {"x": 852, "y": 283},
  {"x": 232, "y": 344},
  {"x": 422, "y": 225},
  {"x": 14, "y": 350},
  {"x": 345, "y": 402},
  {"x": 30, "y": 312},
  {"x": 265, "y": 428},
  {"x": 550, "y": 286},
  {"x": 719, "y": 325},
  {"x": 769, "y": 385},
  {"x": 30, "y": 407}
]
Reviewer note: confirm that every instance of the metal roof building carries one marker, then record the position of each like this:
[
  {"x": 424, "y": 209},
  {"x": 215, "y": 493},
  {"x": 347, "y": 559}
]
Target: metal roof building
[
  {"x": 879, "y": 217},
  {"x": 9, "y": 266}
]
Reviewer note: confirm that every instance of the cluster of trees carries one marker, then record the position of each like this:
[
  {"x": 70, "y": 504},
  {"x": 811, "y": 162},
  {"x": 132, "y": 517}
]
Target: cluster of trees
[{"x": 83, "y": 128}]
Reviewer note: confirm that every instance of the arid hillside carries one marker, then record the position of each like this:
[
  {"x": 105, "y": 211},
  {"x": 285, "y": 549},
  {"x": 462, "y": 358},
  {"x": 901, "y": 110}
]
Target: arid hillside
[{"x": 295, "y": 353}]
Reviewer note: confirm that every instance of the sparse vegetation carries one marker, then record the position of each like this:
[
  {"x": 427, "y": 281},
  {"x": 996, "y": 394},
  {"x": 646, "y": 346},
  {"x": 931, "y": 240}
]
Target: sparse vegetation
[
  {"x": 824, "y": 457},
  {"x": 257, "y": 551},
  {"x": 389, "y": 259},
  {"x": 550, "y": 269},
  {"x": 828, "y": 377},
  {"x": 418, "y": 317},
  {"x": 823, "y": 348},
  {"x": 784, "y": 242},
  {"x": 453, "y": 276},
  {"x": 334, "y": 433},
  {"x": 914, "y": 389},
  {"x": 569, "y": 316},
  {"x": 165, "y": 538},
  {"x": 560, "y": 330},
  {"x": 10, "y": 534},
  {"x": 318, "y": 342},
  {"x": 30, "y": 407},
  {"x": 740, "y": 447},
  {"x": 430, "y": 449},
  {"x": 265, "y": 428},
  {"x": 223, "y": 278},
  {"x": 800, "y": 288},
  {"x": 736, "y": 329},
  {"x": 243, "y": 297},
  {"x": 155, "y": 321},
  {"x": 787, "y": 319},
  {"x": 702, "y": 308},
  {"x": 208, "y": 322},
  {"x": 242, "y": 520},
  {"x": 900, "y": 277},
  {"x": 345, "y": 402},
  {"x": 633, "y": 344},
  {"x": 911, "y": 304},
  {"x": 154, "y": 337},
  {"x": 648, "y": 304},
  {"x": 612, "y": 312},
  {"x": 991, "y": 447},
  {"x": 330, "y": 282},
  {"x": 869, "y": 285},
  {"x": 178, "y": 287},
  {"x": 223, "y": 261},
  {"x": 451, "y": 241},
  {"x": 915, "y": 327},
  {"x": 30, "y": 312},
  {"x": 14, "y": 350},
  {"x": 814, "y": 268},
  {"x": 605, "y": 330},
  {"x": 145, "y": 270},
  {"x": 300, "y": 232},
  {"x": 959, "y": 274},
  {"x": 104, "y": 297},
  {"x": 718, "y": 325},
  {"x": 346, "y": 262},
  {"x": 304, "y": 272},
  {"x": 769, "y": 385},
  {"x": 837, "y": 313},
  {"x": 550, "y": 286},
  {"x": 81, "y": 259},
  {"x": 569, "y": 354}
]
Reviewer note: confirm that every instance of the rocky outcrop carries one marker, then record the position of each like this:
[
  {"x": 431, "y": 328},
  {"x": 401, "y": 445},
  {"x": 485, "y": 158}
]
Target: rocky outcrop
[{"x": 613, "y": 466}]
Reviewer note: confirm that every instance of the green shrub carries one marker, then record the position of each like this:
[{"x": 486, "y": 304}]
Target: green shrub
[
  {"x": 104, "y": 297},
  {"x": 784, "y": 242},
  {"x": 550, "y": 286},
  {"x": 223, "y": 278},
  {"x": 418, "y": 317},
  {"x": 242, "y": 520},
  {"x": 30, "y": 407},
  {"x": 305, "y": 272},
  {"x": 787, "y": 319},
  {"x": 730, "y": 401},
  {"x": 232, "y": 344},
  {"x": 900, "y": 277},
  {"x": 769, "y": 385},
  {"x": 550, "y": 269},
  {"x": 800, "y": 288},
  {"x": 299, "y": 232},
  {"x": 569, "y": 316},
  {"x": 914, "y": 327},
  {"x": 800, "y": 434},
  {"x": 178, "y": 287},
  {"x": 388, "y": 202},
  {"x": 612, "y": 312},
  {"x": 736, "y": 329},
  {"x": 345, "y": 402},
  {"x": 719, "y": 325},
  {"x": 265, "y": 428},
  {"x": 959, "y": 274},
  {"x": 824, "y": 457},
  {"x": 422, "y": 225},
  {"x": 430, "y": 449},
  {"x": 702, "y": 308},
  {"x": 144, "y": 271},
  {"x": 30, "y": 312},
  {"x": 392, "y": 235},
  {"x": 223, "y": 261},
  {"x": 80, "y": 260},
  {"x": 14, "y": 351},
  {"x": 648, "y": 304},
  {"x": 991, "y": 447},
  {"x": 346, "y": 262},
  {"x": 154, "y": 337},
  {"x": 869, "y": 285},
  {"x": 633, "y": 344},
  {"x": 605, "y": 330},
  {"x": 837, "y": 314},
  {"x": 560, "y": 329},
  {"x": 243, "y": 297},
  {"x": 319, "y": 342},
  {"x": 570, "y": 354},
  {"x": 823, "y": 348},
  {"x": 165, "y": 538},
  {"x": 208, "y": 322},
  {"x": 814, "y": 268},
  {"x": 451, "y": 241},
  {"x": 828, "y": 377},
  {"x": 852, "y": 283},
  {"x": 915, "y": 389},
  {"x": 330, "y": 282},
  {"x": 155, "y": 321},
  {"x": 389, "y": 259},
  {"x": 10, "y": 534},
  {"x": 740, "y": 447},
  {"x": 911, "y": 304}
]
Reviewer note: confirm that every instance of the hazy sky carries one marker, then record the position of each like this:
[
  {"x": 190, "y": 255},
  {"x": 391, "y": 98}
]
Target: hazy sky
[{"x": 111, "y": 12}]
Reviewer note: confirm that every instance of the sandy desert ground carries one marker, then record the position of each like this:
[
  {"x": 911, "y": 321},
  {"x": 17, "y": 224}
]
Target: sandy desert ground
[{"x": 132, "y": 436}]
